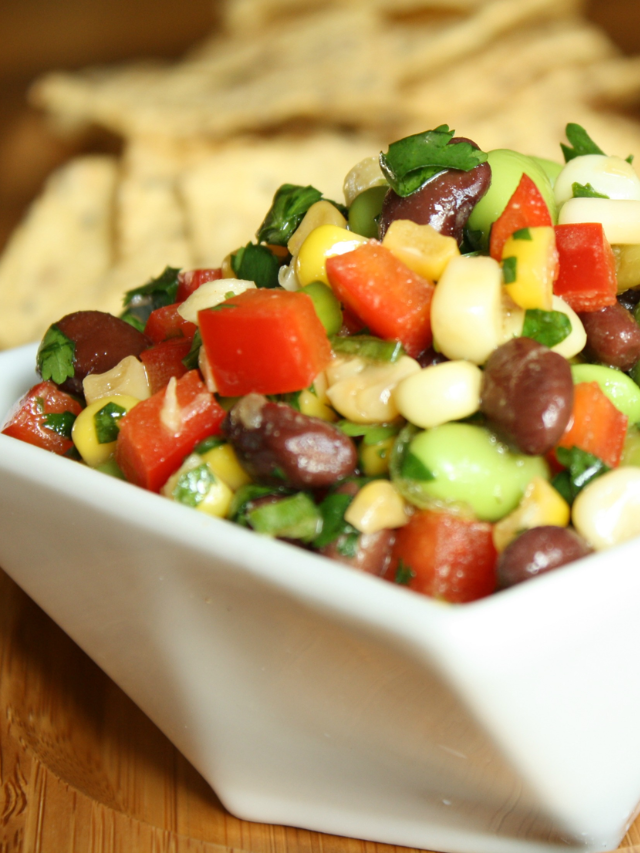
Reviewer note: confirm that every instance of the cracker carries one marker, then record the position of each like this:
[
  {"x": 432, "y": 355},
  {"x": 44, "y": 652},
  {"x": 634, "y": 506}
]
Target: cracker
[{"x": 60, "y": 251}]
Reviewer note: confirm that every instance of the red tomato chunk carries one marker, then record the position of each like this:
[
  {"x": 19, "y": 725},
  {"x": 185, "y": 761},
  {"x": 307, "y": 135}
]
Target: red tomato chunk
[
  {"x": 190, "y": 280},
  {"x": 148, "y": 451},
  {"x": 166, "y": 322},
  {"x": 31, "y": 422},
  {"x": 164, "y": 360},
  {"x": 390, "y": 299},
  {"x": 268, "y": 341}
]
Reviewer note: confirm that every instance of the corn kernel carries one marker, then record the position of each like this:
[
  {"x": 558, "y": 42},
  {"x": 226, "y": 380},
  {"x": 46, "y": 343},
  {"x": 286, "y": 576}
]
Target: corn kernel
[
  {"x": 363, "y": 391},
  {"x": 311, "y": 405},
  {"x": 224, "y": 463},
  {"x": 84, "y": 432},
  {"x": 440, "y": 393},
  {"x": 195, "y": 484},
  {"x": 532, "y": 263},
  {"x": 374, "y": 458},
  {"x": 322, "y": 243},
  {"x": 377, "y": 506},
  {"x": 320, "y": 213},
  {"x": 423, "y": 249},
  {"x": 540, "y": 505}
]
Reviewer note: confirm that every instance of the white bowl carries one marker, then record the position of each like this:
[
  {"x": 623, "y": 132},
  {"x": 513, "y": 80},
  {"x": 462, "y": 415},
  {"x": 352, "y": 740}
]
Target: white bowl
[{"x": 309, "y": 694}]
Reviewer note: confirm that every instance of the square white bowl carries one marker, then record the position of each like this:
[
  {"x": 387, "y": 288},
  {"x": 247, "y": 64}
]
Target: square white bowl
[{"x": 309, "y": 694}]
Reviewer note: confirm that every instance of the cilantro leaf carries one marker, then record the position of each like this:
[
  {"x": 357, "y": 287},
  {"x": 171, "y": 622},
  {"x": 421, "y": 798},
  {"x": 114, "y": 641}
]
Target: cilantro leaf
[
  {"x": 208, "y": 444},
  {"x": 370, "y": 433},
  {"x": 256, "y": 263},
  {"x": 332, "y": 509},
  {"x": 585, "y": 191},
  {"x": 546, "y": 327},
  {"x": 411, "y": 162},
  {"x": 404, "y": 574},
  {"x": 580, "y": 143},
  {"x": 414, "y": 469},
  {"x": 522, "y": 234},
  {"x": 106, "y": 422},
  {"x": 368, "y": 346},
  {"x": 60, "y": 422},
  {"x": 581, "y": 469},
  {"x": 192, "y": 486},
  {"x": 55, "y": 356},
  {"x": 190, "y": 360},
  {"x": 290, "y": 203},
  {"x": 509, "y": 269},
  {"x": 141, "y": 301}
]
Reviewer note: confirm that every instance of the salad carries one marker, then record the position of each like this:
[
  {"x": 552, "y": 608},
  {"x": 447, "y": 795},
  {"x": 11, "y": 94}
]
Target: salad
[{"x": 436, "y": 382}]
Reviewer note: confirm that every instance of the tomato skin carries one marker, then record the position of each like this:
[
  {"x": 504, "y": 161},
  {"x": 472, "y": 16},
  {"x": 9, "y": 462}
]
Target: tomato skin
[
  {"x": 452, "y": 558},
  {"x": 28, "y": 422},
  {"x": 190, "y": 280},
  {"x": 166, "y": 322},
  {"x": 525, "y": 209},
  {"x": 164, "y": 360},
  {"x": 596, "y": 425},
  {"x": 147, "y": 451},
  {"x": 389, "y": 298},
  {"x": 586, "y": 267},
  {"x": 268, "y": 341}
]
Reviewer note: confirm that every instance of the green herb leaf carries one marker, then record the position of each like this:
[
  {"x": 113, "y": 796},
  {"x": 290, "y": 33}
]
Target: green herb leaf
[
  {"x": 290, "y": 203},
  {"x": 332, "y": 509},
  {"x": 190, "y": 360},
  {"x": 347, "y": 544},
  {"x": 208, "y": 444},
  {"x": 192, "y": 486},
  {"x": 581, "y": 469},
  {"x": 292, "y": 517},
  {"x": 585, "y": 191},
  {"x": 414, "y": 469},
  {"x": 256, "y": 263},
  {"x": 221, "y": 306},
  {"x": 522, "y": 234},
  {"x": 546, "y": 327},
  {"x": 581, "y": 143},
  {"x": 509, "y": 269},
  {"x": 243, "y": 498},
  {"x": 156, "y": 293},
  {"x": 55, "y": 356},
  {"x": 404, "y": 573},
  {"x": 59, "y": 422},
  {"x": 411, "y": 162},
  {"x": 370, "y": 433},
  {"x": 106, "y": 422},
  {"x": 368, "y": 346}
]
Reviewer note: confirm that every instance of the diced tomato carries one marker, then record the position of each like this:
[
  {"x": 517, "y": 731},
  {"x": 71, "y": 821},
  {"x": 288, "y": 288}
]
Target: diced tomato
[
  {"x": 525, "y": 209},
  {"x": 390, "y": 299},
  {"x": 586, "y": 267},
  {"x": 166, "y": 322},
  {"x": 269, "y": 341},
  {"x": 444, "y": 556},
  {"x": 596, "y": 425},
  {"x": 149, "y": 449},
  {"x": 190, "y": 280},
  {"x": 164, "y": 360},
  {"x": 31, "y": 421}
]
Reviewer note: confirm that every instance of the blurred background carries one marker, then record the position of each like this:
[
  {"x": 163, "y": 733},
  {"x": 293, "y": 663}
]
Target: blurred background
[{"x": 179, "y": 137}]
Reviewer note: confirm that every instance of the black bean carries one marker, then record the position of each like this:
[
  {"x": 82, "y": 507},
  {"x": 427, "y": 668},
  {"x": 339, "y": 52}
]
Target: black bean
[
  {"x": 537, "y": 551},
  {"x": 279, "y": 446},
  {"x": 613, "y": 336},
  {"x": 527, "y": 395},
  {"x": 372, "y": 551}
]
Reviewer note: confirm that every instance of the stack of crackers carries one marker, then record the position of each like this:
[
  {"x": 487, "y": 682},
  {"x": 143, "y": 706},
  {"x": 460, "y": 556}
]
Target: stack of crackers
[{"x": 291, "y": 91}]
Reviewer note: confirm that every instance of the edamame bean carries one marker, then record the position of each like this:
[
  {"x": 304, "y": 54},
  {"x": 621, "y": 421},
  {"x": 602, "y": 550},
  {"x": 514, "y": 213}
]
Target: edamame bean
[
  {"x": 618, "y": 387},
  {"x": 470, "y": 466},
  {"x": 365, "y": 209},
  {"x": 326, "y": 304}
]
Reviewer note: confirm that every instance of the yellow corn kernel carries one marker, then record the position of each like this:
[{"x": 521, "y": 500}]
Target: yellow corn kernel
[
  {"x": 322, "y": 243},
  {"x": 320, "y": 213},
  {"x": 374, "y": 458},
  {"x": 377, "y": 506},
  {"x": 541, "y": 504},
  {"x": 224, "y": 463},
  {"x": 531, "y": 265},
  {"x": 84, "y": 435},
  {"x": 311, "y": 405},
  {"x": 206, "y": 493},
  {"x": 423, "y": 249}
]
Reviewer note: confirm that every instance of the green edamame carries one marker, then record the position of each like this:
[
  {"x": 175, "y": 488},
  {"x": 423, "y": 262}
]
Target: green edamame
[
  {"x": 618, "y": 387},
  {"x": 364, "y": 211},
  {"x": 326, "y": 304}
]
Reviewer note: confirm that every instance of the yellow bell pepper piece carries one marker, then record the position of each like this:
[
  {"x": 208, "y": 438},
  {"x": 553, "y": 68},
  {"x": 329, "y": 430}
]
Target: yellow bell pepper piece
[
  {"x": 529, "y": 263},
  {"x": 322, "y": 243},
  {"x": 423, "y": 249},
  {"x": 540, "y": 505},
  {"x": 320, "y": 213}
]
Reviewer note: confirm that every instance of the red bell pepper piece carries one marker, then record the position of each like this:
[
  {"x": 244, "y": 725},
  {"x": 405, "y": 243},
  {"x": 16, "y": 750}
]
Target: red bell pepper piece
[
  {"x": 596, "y": 425},
  {"x": 164, "y": 360},
  {"x": 444, "y": 556},
  {"x": 525, "y": 209},
  {"x": 148, "y": 450},
  {"x": 390, "y": 299},
  {"x": 586, "y": 267},
  {"x": 269, "y": 341},
  {"x": 166, "y": 322},
  {"x": 31, "y": 421},
  {"x": 190, "y": 280}
]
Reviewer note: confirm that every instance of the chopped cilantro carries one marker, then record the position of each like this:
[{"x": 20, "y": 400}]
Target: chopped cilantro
[
  {"x": 546, "y": 327},
  {"x": 368, "y": 346},
  {"x": 190, "y": 360},
  {"x": 509, "y": 269},
  {"x": 580, "y": 143},
  {"x": 290, "y": 203},
  {"x": 156, "y": 293},
  {"x": 59, "y": 422},
  {"x": 192, "y": 486},
  {"x": 208, "y": 444},
  {"x": 347, "y": 544},
  {"x": 106, "y": 422},
  {"x": 256, "y": 263},
  {"x": 404, "y": 574},
  {"x": 332, "y": 509},
  {"x": 55, "y": 356},
  {"x": 585, "y": 191},
  {"x": 221, "y": 305},
  {"x": 522, "y": 234},
  {"x": 411, "y": 162},
  {"x": 414, "y": 469},
  {"x": 370, "y": 433},
  {"x": 581, "y": 468}
]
